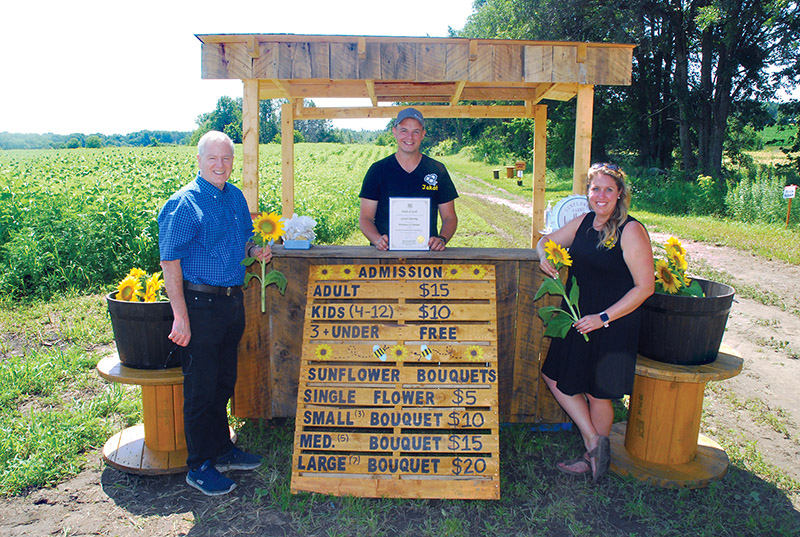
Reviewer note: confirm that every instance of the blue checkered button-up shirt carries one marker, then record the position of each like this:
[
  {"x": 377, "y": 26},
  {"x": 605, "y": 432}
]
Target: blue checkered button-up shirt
[{"x": 207, "y": 229}]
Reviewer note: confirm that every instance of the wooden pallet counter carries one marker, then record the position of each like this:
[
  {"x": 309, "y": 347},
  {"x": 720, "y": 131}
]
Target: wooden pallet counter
[{"x": 271, "y": 349}]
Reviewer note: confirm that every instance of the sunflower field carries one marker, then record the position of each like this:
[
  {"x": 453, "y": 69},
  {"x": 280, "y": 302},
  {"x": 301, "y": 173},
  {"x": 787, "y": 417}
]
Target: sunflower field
[{"x": 79, "y": 219}]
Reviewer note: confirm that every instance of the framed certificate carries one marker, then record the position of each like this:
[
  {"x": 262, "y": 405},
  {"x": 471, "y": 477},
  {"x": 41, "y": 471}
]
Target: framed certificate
[{"x": 409, "y": 223}]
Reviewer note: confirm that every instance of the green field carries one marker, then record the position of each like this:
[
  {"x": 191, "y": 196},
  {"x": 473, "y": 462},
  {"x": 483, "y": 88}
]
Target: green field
[{"x": 73, "y": 222}]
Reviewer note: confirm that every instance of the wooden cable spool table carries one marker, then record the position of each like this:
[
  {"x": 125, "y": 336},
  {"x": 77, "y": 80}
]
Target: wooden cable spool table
[
  {"x": 158, "y": 445},
  {"x": 661, "y": 441}
]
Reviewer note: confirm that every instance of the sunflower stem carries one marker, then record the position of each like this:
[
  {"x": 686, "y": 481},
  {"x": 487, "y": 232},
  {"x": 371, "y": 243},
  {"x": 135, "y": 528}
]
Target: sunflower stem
[{"x": 263, "y": 286}]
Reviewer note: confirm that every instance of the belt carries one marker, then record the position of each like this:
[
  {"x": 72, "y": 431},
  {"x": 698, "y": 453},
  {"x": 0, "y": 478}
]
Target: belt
[{"x": 212, "y": 289}]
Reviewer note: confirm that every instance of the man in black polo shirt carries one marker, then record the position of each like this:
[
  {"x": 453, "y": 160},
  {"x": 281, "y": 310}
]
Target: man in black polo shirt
[{"x": 407, "y": 174}]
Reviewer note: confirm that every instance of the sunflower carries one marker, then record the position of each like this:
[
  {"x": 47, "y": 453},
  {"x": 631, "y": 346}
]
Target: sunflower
[
  {"x": 677, "y": 259},
  {"x": 557, "y": 254},
  {"x": 452, "y": 272},
  {"x": 129, "y": 289},
  {"x": 666, "y": 278},
  {"x": 137, "y": 273},
  {"x": 675, "y": 244},
  {"x": 477, "y": 272},
  {"x": 269, "y": 226},
  {"x": 323, "y": 352},
  {"x": 398, "y": 352},
  {"x": 474, "y": 353},
  {"x": 153, "y": 285},
  {"x": 610, "y": 243},
  {"x": 347, "y": 272},
  {"x": 324, "y": 272}
]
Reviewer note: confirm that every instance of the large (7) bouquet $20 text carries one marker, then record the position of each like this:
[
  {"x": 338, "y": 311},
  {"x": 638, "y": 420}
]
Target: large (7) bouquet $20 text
[{"x": 558, "y": 321}]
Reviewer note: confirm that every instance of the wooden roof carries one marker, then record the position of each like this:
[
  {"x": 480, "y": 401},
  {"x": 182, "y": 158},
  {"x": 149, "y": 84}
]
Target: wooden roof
[{"x": 400, "y": 69}]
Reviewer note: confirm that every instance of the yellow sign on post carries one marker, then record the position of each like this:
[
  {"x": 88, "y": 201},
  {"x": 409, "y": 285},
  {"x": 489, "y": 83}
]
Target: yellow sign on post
[{"x": 398, "y": 383}]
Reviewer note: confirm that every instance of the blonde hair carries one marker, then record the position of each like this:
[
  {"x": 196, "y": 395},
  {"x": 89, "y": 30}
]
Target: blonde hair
[{"x": 611, "y": 229}]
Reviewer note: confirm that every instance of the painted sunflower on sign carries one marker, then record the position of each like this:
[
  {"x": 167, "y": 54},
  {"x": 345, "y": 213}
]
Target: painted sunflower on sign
[
  {"x": 398, "y": 353},
  {"x": 323, "y": 352}
]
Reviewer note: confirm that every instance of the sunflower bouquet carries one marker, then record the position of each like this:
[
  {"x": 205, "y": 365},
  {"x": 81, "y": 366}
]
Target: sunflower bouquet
[
  {"x": 670, "y": 271},
  {"x": 558, "y": 321},
  {"x": 138, "y": 286},
  {"x": 267, "y": 228}
]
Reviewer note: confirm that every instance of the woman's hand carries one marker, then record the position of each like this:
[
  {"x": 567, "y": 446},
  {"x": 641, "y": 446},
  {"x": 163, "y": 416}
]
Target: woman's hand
[
  {"x": 588, "y": 323},
  {"x": 547, "y": 267}
]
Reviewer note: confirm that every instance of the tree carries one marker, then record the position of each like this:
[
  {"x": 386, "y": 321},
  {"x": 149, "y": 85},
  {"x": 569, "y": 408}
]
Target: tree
[
  {"x": 697, "y": 63},
  {"x": 226, "y": 117}
]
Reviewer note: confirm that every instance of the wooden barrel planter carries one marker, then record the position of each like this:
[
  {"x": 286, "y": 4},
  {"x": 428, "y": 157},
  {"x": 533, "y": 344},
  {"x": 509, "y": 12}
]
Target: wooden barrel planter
[
  {"x": 685, "y": 329},
  {"x": 141, "y": 332}
]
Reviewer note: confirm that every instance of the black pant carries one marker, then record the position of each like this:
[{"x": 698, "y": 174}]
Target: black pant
[{"x": 209, "y": 373}]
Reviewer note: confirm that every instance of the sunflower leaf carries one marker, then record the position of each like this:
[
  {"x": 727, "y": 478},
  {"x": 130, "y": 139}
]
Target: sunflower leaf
[
  {"x": 249, "y": 276},
  {"x": 559, "y": 325},
  {"x": 550, "y": 286},
  {"x": 574, "y": 292},
  {"x": 247, "y": 261},
  {"x": 276, "y": 277}
]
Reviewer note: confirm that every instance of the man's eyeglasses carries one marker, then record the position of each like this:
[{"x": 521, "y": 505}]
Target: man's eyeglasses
[{"x": 612, "y": 167}]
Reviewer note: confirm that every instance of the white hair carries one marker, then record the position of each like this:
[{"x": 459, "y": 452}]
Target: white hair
[{"x": 213, "y": 136}]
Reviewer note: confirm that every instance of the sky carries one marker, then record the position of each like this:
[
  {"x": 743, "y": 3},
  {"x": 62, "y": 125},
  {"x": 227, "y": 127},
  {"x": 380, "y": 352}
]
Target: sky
[{"x": 115, "y": 67}]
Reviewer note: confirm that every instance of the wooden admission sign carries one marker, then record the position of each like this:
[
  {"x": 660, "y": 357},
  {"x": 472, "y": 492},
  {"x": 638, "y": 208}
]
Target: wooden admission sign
[{"x": 398, "y": 382}]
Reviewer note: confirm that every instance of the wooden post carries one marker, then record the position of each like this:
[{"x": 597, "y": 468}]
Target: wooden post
[
  {"x": 287, "y": 152},
  {"x": 539, "y": 168},
  {"x": 250, "y": 144},
  {"x": 583, "y": 137}
]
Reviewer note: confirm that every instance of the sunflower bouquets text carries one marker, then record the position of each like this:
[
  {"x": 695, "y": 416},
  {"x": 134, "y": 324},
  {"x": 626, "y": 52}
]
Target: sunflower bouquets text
[
  {"x": 671, "y": 275},
  {"x": 266, "y": 229},
  {"x": 139, "y": 286},
  {"x": 556, "y": 320}
]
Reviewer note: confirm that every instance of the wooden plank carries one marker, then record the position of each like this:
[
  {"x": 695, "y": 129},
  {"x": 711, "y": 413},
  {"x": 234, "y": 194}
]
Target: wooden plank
[
  {"x": 481, "y": 69},
  {"x": 431, "y": 62},
  {"x": 398, "y": 61},
  {"x": 539, "y": 172},
  {"x": 370, "y": 67},
  {"x": 583, "y": 138},
  {"x": 395, "y": 272},
  {"x": 457, "y": 67},
  {"x": 435, "y": 351},
  {"x": 252, "y": 393},
  {"x": 250, "y": 144},
  {"x": 507, "y": 281},
  {"x": 287, "y": 159},
  {"x": 391, "y": 311},
  {"x": 311, "y": 441},
  {"x": 379, "y": 465},
  {"x": 226, "y": 60},
  {"x": 408, "y": 397},
  {"x": 320, "y": 57},
  {"x": 180, "y": 436},
  {"x": 417, "y": 418},
  {"x": 165, "y": 420},
  {"x": 370, "y": 289},
  {"x": 320, "y": 373},
  {"x": 344, "y": 62},
  {"x": 524, "y": 384},
  {"x": 266, "y": 65},
  {"x": 430, "y": 332},
  {"x": 538, "y": 63},
  {"x": 150, "y": 415},
  {"x": 402, "y": 488},
  {"x": 507, "y": 63}
]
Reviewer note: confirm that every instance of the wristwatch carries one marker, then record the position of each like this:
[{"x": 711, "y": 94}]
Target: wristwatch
[{"x": 604, "y": 318}]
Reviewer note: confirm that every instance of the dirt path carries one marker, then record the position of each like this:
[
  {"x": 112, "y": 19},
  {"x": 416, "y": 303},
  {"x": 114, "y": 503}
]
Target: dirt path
[{"x": 761, "y": 406}]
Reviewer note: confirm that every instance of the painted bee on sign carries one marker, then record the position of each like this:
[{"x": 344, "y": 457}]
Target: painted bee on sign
[
  {"x": 426, "y": 352},
  {"x": 379, "y": 352}
]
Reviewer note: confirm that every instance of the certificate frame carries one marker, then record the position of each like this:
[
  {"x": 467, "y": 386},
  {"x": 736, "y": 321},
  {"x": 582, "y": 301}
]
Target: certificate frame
[{"x": 409, "y": 223}]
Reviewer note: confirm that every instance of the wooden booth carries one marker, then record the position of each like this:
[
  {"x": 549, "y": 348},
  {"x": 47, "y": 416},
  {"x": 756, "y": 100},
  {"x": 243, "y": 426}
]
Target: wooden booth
[{"x": 443, "y": 73}]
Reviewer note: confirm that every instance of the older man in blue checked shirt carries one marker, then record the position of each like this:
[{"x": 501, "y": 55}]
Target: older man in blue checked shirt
[{"x": 204, "y": 232}]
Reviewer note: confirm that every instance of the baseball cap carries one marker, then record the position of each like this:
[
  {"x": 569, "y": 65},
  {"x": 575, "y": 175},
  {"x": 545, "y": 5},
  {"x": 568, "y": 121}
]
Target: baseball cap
[{"x": 413, "y": 113}]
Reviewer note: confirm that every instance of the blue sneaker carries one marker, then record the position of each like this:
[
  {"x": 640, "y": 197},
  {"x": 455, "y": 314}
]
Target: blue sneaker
[
  {"x": 209, "y": 481},
  {"x": 236, "y": 459}
]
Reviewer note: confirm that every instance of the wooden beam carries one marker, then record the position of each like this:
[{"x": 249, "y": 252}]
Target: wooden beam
[
  {"x": 282, "y": 87},
  {"x": 466, "y": 111},
  {"x": 539, "y": 168},
  {"x": 581, "y": 55},
  {"x": 250, "y": 144},
  {"x": 473, "y": 50},
  {"x": 253, "y": 47},
  {"x": 583, "y": 137},
  {"x": 287, "y": 160},
  {"x": 362, "y": 49},
  {"x": 371, "y": 91},
  {"x": 457, "y": 94}
]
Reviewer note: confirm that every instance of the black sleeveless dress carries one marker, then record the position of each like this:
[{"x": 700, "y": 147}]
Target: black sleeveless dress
[{"x": 604, "y": 366}]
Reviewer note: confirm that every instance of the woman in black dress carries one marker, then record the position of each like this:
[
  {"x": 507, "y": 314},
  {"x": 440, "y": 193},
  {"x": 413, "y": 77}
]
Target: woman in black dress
[{"x": 612, "y": 261}]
